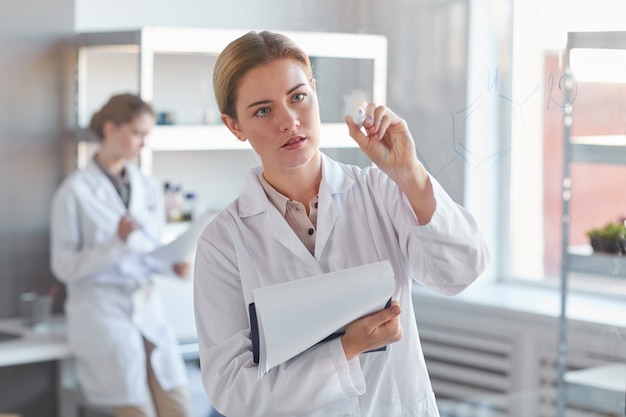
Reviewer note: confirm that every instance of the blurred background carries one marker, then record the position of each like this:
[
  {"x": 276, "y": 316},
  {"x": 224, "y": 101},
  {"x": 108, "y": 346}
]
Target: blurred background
[{"x": 485, "y": 89}]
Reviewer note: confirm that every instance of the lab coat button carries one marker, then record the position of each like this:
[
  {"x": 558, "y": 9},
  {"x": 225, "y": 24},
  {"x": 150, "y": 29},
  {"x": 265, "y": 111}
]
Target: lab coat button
[{"x": 311, "y": 231}]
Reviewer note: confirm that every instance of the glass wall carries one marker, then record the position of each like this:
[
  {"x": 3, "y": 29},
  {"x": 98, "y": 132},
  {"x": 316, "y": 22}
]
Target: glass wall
[{"x": 598, "y": 108}]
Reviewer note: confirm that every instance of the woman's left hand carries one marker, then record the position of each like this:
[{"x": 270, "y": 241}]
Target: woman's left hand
[
  {"x": 182, "y": 269},
  {"x": 387, "y": 142}
]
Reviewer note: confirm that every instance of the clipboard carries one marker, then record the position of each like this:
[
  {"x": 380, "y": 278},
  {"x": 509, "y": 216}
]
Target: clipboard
[
  {"x": 318, "y": 309},
  {"x": 254, "y": 334}
]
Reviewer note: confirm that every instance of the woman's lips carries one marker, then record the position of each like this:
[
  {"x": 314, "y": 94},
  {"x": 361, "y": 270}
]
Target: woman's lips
[{"x": 294, "y": 142}]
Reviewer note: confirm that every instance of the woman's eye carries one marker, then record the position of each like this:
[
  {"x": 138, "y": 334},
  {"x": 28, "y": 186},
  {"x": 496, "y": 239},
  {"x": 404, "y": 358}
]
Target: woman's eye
[
  {"x": 263, "y": 111},
  {"x": 298, "y": 97}
]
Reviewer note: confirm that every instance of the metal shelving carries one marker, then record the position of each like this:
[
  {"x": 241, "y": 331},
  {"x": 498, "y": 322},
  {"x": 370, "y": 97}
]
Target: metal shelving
[
  {"x": 601, "y": 387},
  {"x": 609, "y": 149},
  {"x": 586, "y": 262}
]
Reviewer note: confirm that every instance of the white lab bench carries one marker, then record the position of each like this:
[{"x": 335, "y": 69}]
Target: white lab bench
[
  {"x": 33, "y": 345},
  {"x": 39, "y": 344},
  {"x": 43, "y": 344}
]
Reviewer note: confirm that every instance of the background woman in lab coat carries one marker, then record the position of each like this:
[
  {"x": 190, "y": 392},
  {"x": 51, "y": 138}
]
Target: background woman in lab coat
[
  {"x": 105, "y": 220},
  {"x": 302, "y": 214}
]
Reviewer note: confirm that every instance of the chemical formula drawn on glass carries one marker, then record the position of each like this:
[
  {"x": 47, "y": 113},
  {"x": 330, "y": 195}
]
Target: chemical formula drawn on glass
[
  {"x": 483, "y": 113},
  {"x": 565, "y": 80}
]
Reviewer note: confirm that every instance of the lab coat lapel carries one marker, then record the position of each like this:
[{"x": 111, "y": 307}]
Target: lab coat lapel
[
  {"x": 103, "y": 189},
  {"x": 333, "y": 182},
  {"x": 328, "y": 211},
  {"x": 138, "y": 197},
  {"x": 253, "y": 202},
  {"x": 277, "y": 227}
]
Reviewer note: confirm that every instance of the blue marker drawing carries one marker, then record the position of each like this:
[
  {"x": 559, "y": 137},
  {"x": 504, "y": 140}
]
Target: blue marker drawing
[
  {"x": 483, "y": 105},
  {"x": 565, "y": 78}
]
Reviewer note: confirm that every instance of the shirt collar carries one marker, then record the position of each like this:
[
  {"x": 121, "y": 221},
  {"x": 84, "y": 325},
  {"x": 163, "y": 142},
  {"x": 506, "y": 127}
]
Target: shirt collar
[
  {"x": 336, "y": 178},
  {"x": 121, "y": 178},
  {"x": 277, "y": 199}
]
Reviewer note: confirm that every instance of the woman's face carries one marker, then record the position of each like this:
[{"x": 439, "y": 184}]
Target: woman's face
[
  {"x": 277, "y": 111},
  {"x": 127, "y": 139}
]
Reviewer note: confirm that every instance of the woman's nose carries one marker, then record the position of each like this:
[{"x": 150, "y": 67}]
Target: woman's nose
[{"x": 288, "y": 120}]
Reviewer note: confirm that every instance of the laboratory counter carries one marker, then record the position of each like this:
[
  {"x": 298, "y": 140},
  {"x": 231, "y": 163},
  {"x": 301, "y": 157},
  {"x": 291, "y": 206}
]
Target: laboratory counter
[{"x": 21, "y": 345}]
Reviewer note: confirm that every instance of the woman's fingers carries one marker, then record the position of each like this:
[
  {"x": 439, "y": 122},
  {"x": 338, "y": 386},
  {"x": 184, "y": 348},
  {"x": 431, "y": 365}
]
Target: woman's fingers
[
  {"x": 126, "y": 226},
  {"x": 373, "y": 331},
  {"x": 373, "y": 119},
  {"x": 182, "y": 269}
]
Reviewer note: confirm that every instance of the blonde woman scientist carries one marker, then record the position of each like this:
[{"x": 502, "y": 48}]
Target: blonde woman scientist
[
  {"x": 301, "y": 214},
  {"x": 105, "y": 219}
]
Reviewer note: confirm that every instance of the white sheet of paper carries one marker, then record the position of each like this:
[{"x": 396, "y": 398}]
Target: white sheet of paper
[
  {"x": 184, "y": 246},
  {"x": 295, "y": 315}
]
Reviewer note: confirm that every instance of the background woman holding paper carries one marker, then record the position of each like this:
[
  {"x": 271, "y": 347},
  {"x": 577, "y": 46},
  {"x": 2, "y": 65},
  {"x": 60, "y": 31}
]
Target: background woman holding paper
[
  {"x": 301, "y": 214},
  {"x": 105, "y": 221}
]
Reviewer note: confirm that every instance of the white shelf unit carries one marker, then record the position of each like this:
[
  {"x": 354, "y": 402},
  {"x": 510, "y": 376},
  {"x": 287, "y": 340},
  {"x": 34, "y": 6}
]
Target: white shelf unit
[{"x": 575, "y": 388}]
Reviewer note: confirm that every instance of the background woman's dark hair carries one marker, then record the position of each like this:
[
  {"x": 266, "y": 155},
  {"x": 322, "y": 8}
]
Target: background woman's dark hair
[{"x": 120, "y": 109}]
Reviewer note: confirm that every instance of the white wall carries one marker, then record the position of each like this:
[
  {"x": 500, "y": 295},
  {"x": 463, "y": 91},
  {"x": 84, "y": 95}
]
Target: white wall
[
  {"x": 95, "y": 15},
  {"x": 34, "y": 113}
]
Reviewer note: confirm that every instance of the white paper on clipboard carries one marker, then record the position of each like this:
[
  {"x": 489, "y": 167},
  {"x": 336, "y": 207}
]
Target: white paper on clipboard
[
  {"x": 295, "y": 315},
  {"x": 184, "y": 246}
]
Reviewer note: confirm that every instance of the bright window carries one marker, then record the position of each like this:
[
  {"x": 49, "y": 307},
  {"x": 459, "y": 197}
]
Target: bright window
[{"x": 513, "y": 121}]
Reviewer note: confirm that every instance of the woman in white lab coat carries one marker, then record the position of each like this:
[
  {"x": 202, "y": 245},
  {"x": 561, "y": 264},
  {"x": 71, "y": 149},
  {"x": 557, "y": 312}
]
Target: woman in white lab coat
[
  {"x": 302, "y": 214},
  {"x": 105, "y": 220}
]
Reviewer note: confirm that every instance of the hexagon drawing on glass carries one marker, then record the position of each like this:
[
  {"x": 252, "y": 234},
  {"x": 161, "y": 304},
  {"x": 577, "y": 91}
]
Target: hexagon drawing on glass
[
  {"x": 488, "y": 103},
  {"x": 560, "y": 93}
]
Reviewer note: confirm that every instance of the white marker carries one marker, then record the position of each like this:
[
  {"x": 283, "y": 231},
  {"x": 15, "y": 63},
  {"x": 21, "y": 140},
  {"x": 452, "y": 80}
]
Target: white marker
[{"x": 358, "y": 116}]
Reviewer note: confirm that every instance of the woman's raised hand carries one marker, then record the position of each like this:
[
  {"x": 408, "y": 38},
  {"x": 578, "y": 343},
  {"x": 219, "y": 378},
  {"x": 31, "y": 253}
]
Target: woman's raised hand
[{"x": 386, "y": 140}]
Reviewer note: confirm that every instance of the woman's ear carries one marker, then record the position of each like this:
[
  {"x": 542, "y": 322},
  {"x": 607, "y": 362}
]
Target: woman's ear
[
  {"x": 233, "y": 126},
  {"x": 108, "y": 128}
]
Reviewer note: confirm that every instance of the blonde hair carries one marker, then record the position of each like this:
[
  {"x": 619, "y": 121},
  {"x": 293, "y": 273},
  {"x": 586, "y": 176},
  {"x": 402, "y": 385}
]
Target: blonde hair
[
  {"x": 246, "y": 53},
  {"x": 120, "y": 109}
]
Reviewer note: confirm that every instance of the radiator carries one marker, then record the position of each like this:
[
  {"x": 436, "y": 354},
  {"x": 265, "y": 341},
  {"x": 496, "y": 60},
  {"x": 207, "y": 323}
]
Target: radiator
[
  {"x": 470, "y": 370},
  {"x": 476, "y": 373}
]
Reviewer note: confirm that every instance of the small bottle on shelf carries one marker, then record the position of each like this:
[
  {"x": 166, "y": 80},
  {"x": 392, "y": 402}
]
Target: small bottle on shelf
[
  {"x": 173, "y": 202},
  {"x": 189, "y": 206}
]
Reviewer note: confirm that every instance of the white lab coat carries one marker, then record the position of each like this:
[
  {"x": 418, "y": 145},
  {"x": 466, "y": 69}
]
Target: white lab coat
[
  {"x": 362, "y": 218},
  {"x": 111, "y": 305}
]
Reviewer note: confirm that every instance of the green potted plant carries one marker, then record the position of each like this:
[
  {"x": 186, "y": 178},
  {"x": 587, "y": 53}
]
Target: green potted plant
[{"x": 611, "y": 238}]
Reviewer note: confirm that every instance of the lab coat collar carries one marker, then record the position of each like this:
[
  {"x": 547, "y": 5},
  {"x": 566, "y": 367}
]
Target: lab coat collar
[
  {"x": 334, "y": 178},
  {"x": 252, "y": 198},
  {"x": 253, "y": 202}
]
